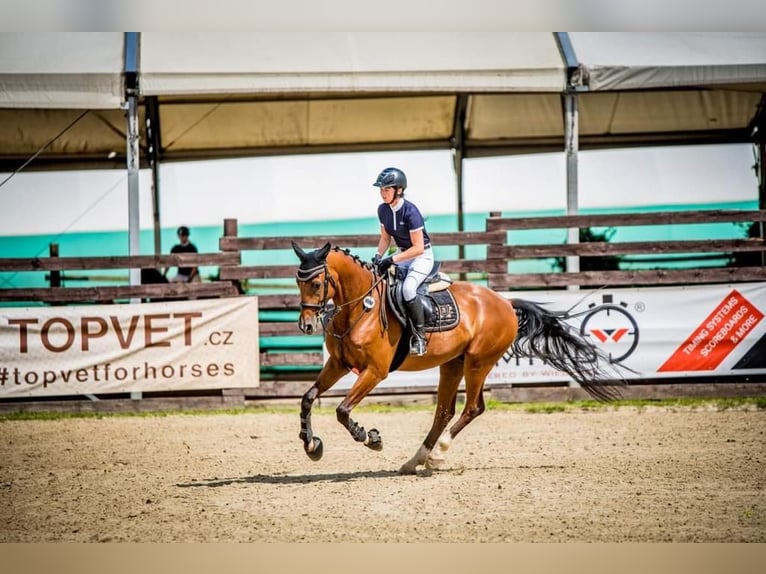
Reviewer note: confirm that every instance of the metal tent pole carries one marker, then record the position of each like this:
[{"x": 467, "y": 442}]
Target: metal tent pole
[
  {"x": 154, "y": 152},
  {"x": 571, "y": 136},
  {"x": 571, "y": 139},
  {"x": 760, "y": 167},
  {"x": 757, "y": 130},
  {"x": 458, "y": 141},
  {"x": 131, "y": 97},
  {"x": 133, "y": 187}
]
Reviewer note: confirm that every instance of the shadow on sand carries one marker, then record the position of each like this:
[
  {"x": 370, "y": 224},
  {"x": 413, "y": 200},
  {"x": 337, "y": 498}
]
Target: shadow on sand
[
  {"x": 344, "y": 476},
  {"x": 292, "y": 479}
]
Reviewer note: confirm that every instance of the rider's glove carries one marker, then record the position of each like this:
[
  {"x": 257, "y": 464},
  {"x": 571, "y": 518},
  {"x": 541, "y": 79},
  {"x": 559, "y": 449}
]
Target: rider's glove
[{"x": 384, "y": 264}]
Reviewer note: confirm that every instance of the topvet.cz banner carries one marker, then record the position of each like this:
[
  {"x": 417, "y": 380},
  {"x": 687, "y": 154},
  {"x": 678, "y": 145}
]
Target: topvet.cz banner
[
  {"x": 179, "y": 345},
  {"x": 658, "y": 332}
]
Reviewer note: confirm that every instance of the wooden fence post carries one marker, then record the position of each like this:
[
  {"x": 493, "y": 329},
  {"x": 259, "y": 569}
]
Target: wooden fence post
[
  {"x": 495, "y": 251},
  {"x": 55, "y": 275},
  {"x": 230, "y": 229}
]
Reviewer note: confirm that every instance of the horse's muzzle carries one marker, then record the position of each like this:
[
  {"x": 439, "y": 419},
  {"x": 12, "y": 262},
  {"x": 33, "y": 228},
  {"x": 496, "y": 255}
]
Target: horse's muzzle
[{"x": 308, "y": 325}]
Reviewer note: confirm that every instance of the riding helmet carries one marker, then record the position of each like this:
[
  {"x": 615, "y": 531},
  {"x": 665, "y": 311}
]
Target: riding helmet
[{"x": 391, "y": 177}]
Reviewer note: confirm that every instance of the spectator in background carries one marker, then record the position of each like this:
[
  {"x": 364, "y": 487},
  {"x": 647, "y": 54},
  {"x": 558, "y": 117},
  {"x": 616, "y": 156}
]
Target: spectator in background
[{"x": 185, "y": 274}]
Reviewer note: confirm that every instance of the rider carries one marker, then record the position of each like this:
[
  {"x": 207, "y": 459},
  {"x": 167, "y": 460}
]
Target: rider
[{"x": 401, "y": 221}]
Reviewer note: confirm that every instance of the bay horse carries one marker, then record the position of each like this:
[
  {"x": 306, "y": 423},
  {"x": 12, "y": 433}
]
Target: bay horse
[{"x": 342, "y": 291}]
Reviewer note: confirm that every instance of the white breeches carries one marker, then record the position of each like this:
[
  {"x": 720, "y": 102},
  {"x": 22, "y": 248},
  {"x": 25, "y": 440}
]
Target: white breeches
[{"x": 417, "y": 270}]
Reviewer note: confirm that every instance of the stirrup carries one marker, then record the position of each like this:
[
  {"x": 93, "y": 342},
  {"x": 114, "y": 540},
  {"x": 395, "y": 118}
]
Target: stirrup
[{"x": 417, "y": 346}]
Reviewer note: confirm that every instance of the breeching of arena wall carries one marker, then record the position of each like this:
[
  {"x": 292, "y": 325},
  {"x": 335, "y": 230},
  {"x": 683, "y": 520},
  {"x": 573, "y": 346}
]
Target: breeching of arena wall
[
  {"x": 178, "y": 345},
  {"x": 657, "y": 332}
]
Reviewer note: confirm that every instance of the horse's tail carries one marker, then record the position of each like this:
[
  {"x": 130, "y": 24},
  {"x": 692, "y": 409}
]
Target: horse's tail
[{"x": 545, "y": 334}]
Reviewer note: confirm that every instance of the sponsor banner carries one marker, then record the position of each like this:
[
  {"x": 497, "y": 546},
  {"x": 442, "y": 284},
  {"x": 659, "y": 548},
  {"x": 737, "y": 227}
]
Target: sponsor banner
[
  {"x": 178, "y": 345},
  {"x": 657, "y": 332},
  {"x": 717, "y": 336}
]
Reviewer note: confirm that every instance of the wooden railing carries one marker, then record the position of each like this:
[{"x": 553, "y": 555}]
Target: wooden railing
[
  {"x": 231, "y": 242},
  {"x": 499, "y": 254},
  {"x": 503, "y": 253},
  {"x": 103, "y": 294},
  {"x": 494, "y": 268}
]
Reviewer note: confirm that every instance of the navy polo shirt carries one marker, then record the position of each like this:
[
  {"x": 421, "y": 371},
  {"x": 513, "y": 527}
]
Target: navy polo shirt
[{"x": 400, "y": 222}]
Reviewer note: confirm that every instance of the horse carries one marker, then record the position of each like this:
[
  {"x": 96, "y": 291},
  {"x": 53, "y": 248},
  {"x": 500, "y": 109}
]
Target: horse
[{"x": 341, "y": 290}]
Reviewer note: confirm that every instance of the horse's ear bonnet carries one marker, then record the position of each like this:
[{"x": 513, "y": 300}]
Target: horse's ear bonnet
[{"x": 313, "y": 262}]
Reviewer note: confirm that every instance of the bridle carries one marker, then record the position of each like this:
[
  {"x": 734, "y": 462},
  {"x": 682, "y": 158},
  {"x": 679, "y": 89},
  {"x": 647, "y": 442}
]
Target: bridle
[
  {"x": 325, "y": 314},
  {"x": 305, "y": 275}
]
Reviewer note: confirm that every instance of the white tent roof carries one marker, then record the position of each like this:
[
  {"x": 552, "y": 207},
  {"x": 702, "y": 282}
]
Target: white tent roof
[
  {"x": 331, "y": 62},
  {"x": 247, "y": 93},
  {"x": 640, "y": 61},
  {"x": 244, "y": 94},
  {"x": 61, "y": 70}
]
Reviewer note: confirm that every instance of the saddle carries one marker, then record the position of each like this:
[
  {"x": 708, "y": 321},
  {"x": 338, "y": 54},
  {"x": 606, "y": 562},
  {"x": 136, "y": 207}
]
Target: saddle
[{"x": 439, "y": 306}]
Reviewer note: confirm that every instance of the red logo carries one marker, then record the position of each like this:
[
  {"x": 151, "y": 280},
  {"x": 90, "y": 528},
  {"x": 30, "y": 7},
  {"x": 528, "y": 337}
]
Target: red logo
[
  {"x": 605, "y": 335},
  {"x": 717, "y": 336}
]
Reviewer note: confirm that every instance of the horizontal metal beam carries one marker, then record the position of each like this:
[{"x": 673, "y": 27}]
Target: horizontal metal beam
[{"x": 471, "y": 149}]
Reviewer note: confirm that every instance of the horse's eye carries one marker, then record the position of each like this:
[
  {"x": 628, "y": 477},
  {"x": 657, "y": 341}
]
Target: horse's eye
[{"x": 316, "y": 285}]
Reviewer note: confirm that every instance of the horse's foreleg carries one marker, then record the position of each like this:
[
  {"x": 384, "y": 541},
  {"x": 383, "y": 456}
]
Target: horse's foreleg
[
  {"x": 450, "y": 375},
  {"x": 367, "y": 380},
  {"x": 332, "y": 371}
]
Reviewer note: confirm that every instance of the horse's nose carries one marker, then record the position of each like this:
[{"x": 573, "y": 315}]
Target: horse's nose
[{"x": 306, "y": 326}]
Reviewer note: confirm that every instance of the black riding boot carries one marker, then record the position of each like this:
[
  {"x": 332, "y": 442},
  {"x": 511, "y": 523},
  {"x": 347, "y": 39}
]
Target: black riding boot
[{"x": 417, "y": 319}]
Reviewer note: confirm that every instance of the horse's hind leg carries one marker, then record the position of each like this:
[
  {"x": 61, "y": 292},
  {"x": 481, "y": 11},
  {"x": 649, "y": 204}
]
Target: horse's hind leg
[
  {"x": 475, "y": 374},
  {"x": 450, "y": 375}
]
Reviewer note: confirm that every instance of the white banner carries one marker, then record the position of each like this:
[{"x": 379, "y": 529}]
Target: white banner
[
  {"x": 178, "y": 345},
  {"x": 658, "y": 332}
]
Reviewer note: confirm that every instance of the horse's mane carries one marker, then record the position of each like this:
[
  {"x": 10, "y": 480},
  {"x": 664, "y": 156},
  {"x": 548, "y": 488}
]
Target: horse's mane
[{"x": 364, "y": 264}]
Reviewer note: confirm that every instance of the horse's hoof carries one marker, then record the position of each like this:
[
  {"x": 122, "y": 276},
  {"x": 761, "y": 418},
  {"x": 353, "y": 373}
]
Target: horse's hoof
[
  {"x": 435, "y": 463},
  {"x": 373, "y": 440},
  {"x": 407, "y": 468},
  {"x": 315, "y": 453}
]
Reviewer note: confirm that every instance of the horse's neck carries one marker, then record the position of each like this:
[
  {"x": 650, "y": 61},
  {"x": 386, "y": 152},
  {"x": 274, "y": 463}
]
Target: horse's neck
[{"x": 353, "y": 280}]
